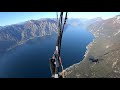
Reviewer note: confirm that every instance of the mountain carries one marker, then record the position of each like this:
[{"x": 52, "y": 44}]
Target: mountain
[
  {"x": 91, "y": 21},
  {"x": 76, "y": 21},
  {"x": 19, "y": 33},
  {"x": 0, "y": 27},
  {"x": 83, "y": 22},
  {"x": 102, "y": 58}
]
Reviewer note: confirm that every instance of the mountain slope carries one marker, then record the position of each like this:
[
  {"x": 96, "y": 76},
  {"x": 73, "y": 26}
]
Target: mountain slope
[
  {"x": 0, "y": 27},
  {"x": 19, "y": 33},
  {"x": 28, "y": 30},
  {"x": 83, "y": 22},
  {"x": 102, "y": 58}
]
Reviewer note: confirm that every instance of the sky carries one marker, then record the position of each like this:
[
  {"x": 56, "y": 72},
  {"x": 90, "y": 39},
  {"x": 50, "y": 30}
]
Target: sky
[{"x": 8, "y": 18}]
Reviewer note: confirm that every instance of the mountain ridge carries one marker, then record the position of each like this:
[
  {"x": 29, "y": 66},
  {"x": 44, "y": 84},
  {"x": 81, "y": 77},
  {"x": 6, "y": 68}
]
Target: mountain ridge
[{"x": 18, "y": 33}]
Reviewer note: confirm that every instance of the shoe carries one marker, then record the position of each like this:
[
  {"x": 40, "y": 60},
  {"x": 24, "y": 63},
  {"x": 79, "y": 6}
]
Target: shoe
[{"x": 52, "y": 76}]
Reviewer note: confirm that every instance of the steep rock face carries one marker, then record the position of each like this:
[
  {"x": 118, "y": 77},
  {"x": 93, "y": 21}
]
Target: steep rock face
[
  {"x": 18, "y": 33},
  {"x": 104, "y": 51},
  {"x": 30, "y": 29}
]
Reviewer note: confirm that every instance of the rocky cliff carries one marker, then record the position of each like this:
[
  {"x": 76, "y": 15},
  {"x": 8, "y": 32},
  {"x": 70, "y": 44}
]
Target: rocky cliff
[{"x": 17, "y": 34}]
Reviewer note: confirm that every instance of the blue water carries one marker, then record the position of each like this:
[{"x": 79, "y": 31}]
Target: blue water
[{"x": 31, "y": 60}]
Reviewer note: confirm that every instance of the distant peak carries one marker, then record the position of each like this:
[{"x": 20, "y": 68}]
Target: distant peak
[
  {"x": 31, "y": 21},
  {"x": 99, "y": 18},
  {"x": 117, "y": 17}
]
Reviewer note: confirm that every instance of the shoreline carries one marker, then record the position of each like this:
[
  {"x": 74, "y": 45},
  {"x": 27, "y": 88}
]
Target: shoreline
[
  {"x": 24, "y": 41},
  {"x": 68, "y": 69}
]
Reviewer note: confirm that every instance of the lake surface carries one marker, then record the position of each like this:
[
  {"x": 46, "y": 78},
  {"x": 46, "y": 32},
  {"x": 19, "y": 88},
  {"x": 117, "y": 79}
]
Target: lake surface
[{"x": 31, "y": 60}]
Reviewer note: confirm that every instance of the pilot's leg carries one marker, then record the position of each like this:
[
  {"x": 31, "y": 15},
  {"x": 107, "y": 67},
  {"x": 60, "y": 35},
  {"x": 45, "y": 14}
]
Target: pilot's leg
[{"x": 52, "y": 67}]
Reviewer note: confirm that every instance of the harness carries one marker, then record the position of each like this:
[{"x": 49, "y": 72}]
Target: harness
[{"x": 56, "y": 55}]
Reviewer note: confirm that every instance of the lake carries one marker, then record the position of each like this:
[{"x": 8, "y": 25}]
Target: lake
[{"x": 31, "y": 60}]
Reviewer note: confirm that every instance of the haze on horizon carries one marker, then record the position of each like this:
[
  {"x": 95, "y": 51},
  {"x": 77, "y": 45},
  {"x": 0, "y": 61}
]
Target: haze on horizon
[{"x": 8, "y": 18}]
